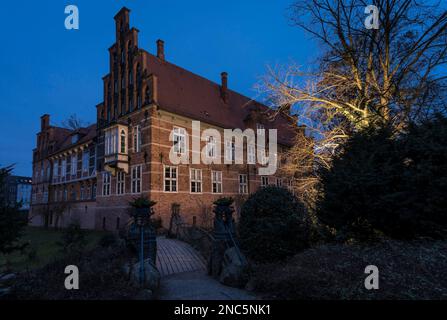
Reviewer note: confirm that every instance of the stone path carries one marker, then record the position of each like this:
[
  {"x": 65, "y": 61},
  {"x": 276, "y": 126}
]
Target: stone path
[
  {"x": 197, "y": 285},
  {"x": 184, "y": 275},
  {"x": 174, "y": 256}
]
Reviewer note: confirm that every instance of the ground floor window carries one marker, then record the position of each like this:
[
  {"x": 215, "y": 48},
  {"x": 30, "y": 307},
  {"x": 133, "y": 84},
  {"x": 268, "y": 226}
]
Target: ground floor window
[
  {"x": 170, "y": 179},
  {"x": 264, "y": 181},
  {"x": 216, "y": 180},
  {"x": 279, "y": 182},
  {"x": 106, "y": 183},
  {"x": 243, "y": 184},
  {"x": 120, "y": 185},
  {"x": 196, "y": 180},
  {"x": 136, "y": 179}
]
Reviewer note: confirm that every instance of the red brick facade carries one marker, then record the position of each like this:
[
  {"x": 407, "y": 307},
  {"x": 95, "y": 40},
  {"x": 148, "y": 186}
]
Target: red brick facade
[{"x": 145, "y": 97}]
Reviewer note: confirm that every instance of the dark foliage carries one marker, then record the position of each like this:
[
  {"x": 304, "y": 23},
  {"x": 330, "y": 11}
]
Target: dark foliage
[
  {"x": 142, "y": 203},
  {"x": 101, "y": 278},
  {"x": 382, "y": 185},
  {"x": 12, "y": 221},
  {"x": 108, "y": 240},
  {"x": 272, "y": 225},
  {"x": 408, "y": 270},
  {"x": 73, "y": 240},
  {"x": 224, "y": 202}
]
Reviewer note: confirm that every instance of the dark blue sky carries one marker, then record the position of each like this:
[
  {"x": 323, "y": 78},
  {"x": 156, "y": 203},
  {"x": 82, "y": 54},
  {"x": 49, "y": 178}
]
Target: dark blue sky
[{"x": 48, "y": 69}]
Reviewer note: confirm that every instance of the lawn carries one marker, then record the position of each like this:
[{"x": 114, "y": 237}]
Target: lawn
[{"x": 42, "y": 249}]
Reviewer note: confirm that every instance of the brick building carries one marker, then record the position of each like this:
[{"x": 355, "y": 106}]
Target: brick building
[{"x": 90, "y": 174}]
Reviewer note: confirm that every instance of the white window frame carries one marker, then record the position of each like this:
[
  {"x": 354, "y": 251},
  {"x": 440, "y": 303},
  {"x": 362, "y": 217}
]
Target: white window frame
[
  {"x": 170, "y": 179},
  {"x": 243, "y": 184},
  {"x": 230, "y": 150},
  {"x": 179, "y": 140},
  {"x": 85, "y": 161},
  {"x": 264, "y": 181},
  {"x": 136, "y": 179},
  {"x": 106, "y": 183},
  {"x": 121, "y": 183},
  {"x": 195, "y": 179},
  {"x": 137, "y": 138},
  {"x": 211, "y": 147},
  {"x": 216, "y": 181},
  {"x": 279, "y": 182},
  {"x": 74, "y": 164},
  {"x": 55, "y": 170},
  {"x": 260, "y": 129},
  {"x": 251, "y": 154},
  {"x": 64, "y": 168}
]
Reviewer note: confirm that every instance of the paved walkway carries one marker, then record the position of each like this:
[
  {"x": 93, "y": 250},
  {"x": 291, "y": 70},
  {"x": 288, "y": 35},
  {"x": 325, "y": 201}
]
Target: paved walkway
[
  {"x": 174, "y": 256},
  {"x": 184, "y": 275}
]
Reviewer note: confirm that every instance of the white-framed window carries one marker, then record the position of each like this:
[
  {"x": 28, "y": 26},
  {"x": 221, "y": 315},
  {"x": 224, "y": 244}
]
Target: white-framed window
[
  {"x": 260, "y": 129},
  {"x": 106, "y": 178},
  {"x": 170, "y": 179},
  {"x": 120, "y": 182},
  {"x": 251, "y": 154},
  {"x": 264, "y": 181},
  {"x": 195, "y": 176},
  {"x": 279, "y": 182},
  {"x": 123, "y": 148},
  {"x": 137, "y": 138},
  {"x": 136, "y": 179},
  {"x": 74, "y": 164},
  {"x": 230, "y": 150},
  {"x": 85, "y": 161},
  {"x": 64, "y": 168},
  {"x": 55, "y": 170},
  {"x": 82, "y": 192},
  {"x": 211, "y": 147},
  {"x": 179, "y": 140},
  {"x": 216, "y": 181},
  {"x": 243, "y": 184},
  {"x": 111, "y": 142}
]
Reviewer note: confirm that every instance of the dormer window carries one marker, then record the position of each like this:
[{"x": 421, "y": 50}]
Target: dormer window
[{"x": 74, "y": 138}]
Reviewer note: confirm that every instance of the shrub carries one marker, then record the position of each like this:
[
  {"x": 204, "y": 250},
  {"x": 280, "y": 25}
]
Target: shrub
[
  {"x": 272, "y": 225},
  {"x": 108, "y": 240},
  {"x": 101, "y": 278},
  {"x": 142, "y": 202},
  {"x": 407, "y": 270},
  {"x": 73, "y": 240},
  {"x": 388, "y": 185},
  {"x": 359, "y": 188}
]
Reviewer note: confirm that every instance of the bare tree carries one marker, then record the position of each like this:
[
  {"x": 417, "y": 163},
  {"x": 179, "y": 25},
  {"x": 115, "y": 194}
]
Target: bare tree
[
  {"x": 391, "y": 74},
  {"x": 74, "y": 123},
  {"x": 394, "y": 74}
]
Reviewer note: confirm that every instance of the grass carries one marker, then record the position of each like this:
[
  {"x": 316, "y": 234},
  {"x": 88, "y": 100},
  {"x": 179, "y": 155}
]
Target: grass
[{"x": 42, "y": 249}]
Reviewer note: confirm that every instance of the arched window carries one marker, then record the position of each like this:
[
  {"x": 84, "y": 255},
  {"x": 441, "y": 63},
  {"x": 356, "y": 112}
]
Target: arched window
[
  {"x": 138, "y": 74},
  {"x": 123, "y": 141},
  {"x": 130, "y": 77},
  {"x": 139, "y": 100},
  {"x": 130, "y": 103}
]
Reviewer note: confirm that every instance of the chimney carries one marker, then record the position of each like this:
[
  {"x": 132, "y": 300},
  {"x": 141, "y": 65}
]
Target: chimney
[
  {"x": 161, "y": 49},
  {"x": 224, "y": 86},
  {"x": 44, "y": 122}
]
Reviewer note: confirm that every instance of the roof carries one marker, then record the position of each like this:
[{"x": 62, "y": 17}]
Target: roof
[
  {"x": 86, "y": 134},
  {"x": 183, "y": 92}
]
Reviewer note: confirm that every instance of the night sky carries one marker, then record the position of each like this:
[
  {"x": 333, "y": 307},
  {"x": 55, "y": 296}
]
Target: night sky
[{"x": 48, "y": 69}]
